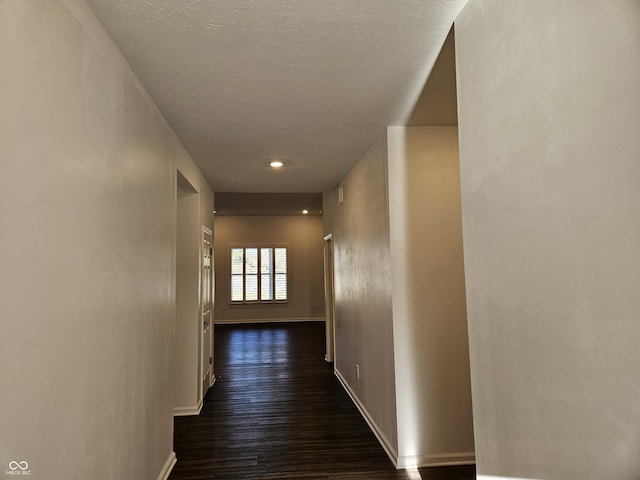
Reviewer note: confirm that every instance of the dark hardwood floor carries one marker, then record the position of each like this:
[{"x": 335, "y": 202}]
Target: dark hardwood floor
[{"x": 277, "y": 411}]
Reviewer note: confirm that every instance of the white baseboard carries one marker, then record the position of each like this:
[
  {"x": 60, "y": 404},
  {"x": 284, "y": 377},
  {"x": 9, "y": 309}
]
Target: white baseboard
[
  {"x": 493, "y": 477},
  {"x": 406, "y": 461},
  {"x": 168, "y": 466},
  {"x": 184, "y": 411},
  {"x": 384, "y": 441},
  {"x": 267, "y": 320},
  {"x": 436, "y": 460}
]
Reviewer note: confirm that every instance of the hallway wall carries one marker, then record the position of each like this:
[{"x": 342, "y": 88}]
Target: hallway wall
[
  {"x": 363, "y": 317},
  {"x": 400, "y": 296},
  {"x": 87, "y": 257},
  {"x": 549, "y": 115},
  {"x": 431, "y": 349}
]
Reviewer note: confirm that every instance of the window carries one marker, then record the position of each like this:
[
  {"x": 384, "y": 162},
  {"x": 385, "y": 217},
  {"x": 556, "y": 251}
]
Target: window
[{"x": 258, "y": 274}]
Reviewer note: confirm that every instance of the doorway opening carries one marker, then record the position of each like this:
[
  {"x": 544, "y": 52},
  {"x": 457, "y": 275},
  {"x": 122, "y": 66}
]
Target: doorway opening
[
  {"x": 207, "y": 309},
  {"x": 329, "y": 299},
  {"x": 188, "y": 391}
]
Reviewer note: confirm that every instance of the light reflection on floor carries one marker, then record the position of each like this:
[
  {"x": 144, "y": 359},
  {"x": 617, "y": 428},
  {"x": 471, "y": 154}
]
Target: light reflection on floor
[
  {"x": 264, "y": 346},
  {"x": 257, "y": 357},
  {"x": 413, "y": 474}
]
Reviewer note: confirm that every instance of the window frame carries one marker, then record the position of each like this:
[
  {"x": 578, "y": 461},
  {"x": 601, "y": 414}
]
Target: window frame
[{"x": 258, "y": 247}]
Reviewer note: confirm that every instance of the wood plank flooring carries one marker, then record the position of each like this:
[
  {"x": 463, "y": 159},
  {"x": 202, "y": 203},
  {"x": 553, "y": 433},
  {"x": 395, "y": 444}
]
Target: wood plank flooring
[{"x": 277, "y": 411}]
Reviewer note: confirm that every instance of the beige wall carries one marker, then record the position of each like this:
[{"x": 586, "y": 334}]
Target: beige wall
[
  {"x": 188, "y": 318},
  {"x": 400, "y": 295},
  {"x": 88, "y": 202},
  {"x": 194, "y": 210},
  {"x": 431, "y": 349},
  {"x": 549, "y": 111},
  {"x": 192, "y": 174},
  {"x": 303, "y": 235},
  {"x": 363, "y": 320}
]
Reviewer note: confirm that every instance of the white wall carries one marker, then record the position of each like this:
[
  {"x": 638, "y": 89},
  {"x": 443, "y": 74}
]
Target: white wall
[
  {"x": 303, "y": 235},
  {"x": 196, "y": 180},
  {"x": 87, "y": 252},
  {"x": 362, "y": 272},
  {"x": 549, "y": 109},
  {"x": 400, "y": 295},
  {"x": 195, "y": 203},
  {"x": 431, "y": 350},
  {"x": 188, "y": 320}
]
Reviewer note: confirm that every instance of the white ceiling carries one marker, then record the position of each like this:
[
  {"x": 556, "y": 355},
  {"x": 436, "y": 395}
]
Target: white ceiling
[{"x": 314, "y": 82}]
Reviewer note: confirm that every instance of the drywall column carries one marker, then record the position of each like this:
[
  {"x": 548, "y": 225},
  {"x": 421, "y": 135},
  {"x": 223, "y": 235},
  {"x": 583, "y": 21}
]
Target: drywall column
[
  {"x": 187, "y": 385},
  {"x": 549, "y": 109},
  {"x": 433, "y": 390}
]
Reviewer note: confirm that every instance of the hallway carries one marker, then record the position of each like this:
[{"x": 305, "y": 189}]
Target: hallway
[{"x": 278, "y": 411}]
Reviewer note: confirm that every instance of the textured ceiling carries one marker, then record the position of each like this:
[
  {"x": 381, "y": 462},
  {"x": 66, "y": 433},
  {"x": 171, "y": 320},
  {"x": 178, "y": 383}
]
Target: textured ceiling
[{"x": 314, "y": 82}]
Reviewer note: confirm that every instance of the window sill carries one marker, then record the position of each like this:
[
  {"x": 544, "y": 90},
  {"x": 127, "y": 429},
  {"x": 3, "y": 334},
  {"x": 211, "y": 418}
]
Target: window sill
[{"x": 258, "y": 302}]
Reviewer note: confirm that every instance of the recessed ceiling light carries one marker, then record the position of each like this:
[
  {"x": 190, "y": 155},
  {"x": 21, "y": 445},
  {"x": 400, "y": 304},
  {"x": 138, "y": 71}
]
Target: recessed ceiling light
[
  {"x": 305, "y": 212},
  {"x": 276, "y": 163}
]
